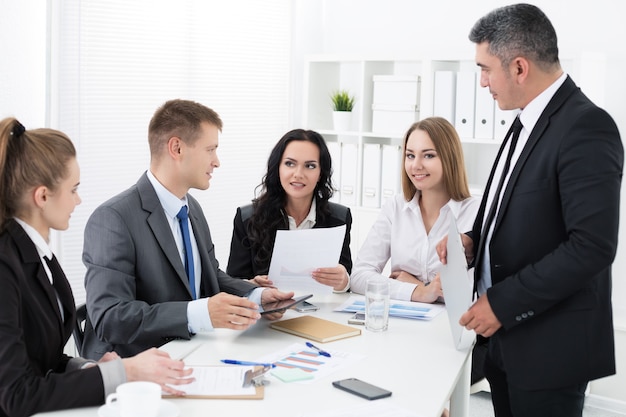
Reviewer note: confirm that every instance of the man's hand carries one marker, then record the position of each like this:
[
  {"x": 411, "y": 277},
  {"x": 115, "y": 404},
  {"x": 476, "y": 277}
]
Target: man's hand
[
  {"x": 232, "y": 312},
  {"x": 272, "y": 294},
  {"x": 336, "y": 277},
  {"x": 480, "y": 318},
  {"x": 468, "y": 246},
  {"x": 262, "y": 281}
]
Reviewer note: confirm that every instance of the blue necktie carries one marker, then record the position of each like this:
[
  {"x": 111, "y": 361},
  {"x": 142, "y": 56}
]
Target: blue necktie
[{"x": 189, "y": 269}]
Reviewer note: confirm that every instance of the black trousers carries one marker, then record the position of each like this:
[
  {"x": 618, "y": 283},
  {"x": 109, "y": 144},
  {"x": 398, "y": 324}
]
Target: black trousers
[{"x": 511, "y": 401}]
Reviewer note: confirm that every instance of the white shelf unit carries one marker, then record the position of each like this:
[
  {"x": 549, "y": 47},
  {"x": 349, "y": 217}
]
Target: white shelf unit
[{"x": 323, "y": 75}]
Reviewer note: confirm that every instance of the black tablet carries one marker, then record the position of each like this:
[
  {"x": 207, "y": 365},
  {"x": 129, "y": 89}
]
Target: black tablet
[{"x": 283, "y": 305}]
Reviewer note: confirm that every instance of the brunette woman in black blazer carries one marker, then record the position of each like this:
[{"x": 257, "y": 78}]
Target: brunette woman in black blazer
[
  {"x": 294, "y": 195},
  {"x": 39, "y": 177}
]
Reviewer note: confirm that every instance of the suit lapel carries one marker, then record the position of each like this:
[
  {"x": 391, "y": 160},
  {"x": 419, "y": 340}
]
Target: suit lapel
[
  {"x": 30, "y": 258},
  {"x": 160, "y": 227}
]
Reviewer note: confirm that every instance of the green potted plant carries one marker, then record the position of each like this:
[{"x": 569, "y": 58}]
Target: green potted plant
[{"x": 343, "y": 103}]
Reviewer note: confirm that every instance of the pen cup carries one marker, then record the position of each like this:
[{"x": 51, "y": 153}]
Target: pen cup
[{"x": 377, "y": 305}]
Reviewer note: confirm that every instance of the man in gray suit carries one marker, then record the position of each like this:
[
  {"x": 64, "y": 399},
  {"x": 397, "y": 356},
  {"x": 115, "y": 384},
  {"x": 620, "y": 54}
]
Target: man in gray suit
[{"x": 145, "y": 264}]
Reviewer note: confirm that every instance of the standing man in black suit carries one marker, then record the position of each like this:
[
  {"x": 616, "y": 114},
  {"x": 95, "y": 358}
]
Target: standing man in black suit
[{"x": 546, "y": 233}]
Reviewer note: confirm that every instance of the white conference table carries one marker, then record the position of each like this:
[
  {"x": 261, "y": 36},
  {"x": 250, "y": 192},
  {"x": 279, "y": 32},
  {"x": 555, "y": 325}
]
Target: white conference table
[{"x": 414, "y": 359}]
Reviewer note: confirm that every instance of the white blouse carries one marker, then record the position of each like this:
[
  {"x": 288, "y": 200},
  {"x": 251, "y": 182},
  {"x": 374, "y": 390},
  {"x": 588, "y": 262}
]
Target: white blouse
[{"x": 399, "y": 236}]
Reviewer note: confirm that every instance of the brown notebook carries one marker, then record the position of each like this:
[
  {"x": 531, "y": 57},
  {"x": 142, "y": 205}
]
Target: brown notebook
[{"x": 315, "y": 328}]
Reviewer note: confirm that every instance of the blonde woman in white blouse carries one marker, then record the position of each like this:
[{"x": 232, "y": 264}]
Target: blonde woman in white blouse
[{"x": 409, "y": 226}]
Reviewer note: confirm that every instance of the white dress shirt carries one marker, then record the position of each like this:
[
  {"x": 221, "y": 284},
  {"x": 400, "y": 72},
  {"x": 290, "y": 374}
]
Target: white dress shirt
[
  {"x": 198, "y": 317},
  {"x": 529, "y": 117},
  {"x": 399, "y": 236}
]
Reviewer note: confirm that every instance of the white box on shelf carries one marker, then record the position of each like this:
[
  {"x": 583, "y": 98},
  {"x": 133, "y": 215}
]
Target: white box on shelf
[
  {"x": 394, "y": 119},
  {"x": 397, "y": 89}
]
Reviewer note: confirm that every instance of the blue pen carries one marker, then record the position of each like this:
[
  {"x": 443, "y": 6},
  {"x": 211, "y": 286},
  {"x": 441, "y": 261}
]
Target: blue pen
[
  {"x": 320, "y": 351},
  {"x": 246, "y": 363}
]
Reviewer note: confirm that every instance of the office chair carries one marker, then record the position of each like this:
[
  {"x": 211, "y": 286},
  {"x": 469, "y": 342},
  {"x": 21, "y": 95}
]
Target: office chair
[{"x": 79, "y": 326}]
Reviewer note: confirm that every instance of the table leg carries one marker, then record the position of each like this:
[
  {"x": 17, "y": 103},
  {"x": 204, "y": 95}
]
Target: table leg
[{"x": 459, "y": 400}]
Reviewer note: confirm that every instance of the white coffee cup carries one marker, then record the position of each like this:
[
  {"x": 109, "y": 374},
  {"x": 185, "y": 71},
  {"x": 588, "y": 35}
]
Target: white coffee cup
[
  {"x": 136, "y": 399},
  {"x": 377, "y": 304}
]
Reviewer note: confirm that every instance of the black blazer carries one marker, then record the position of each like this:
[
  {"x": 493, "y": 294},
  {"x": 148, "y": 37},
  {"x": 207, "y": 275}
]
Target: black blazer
[
  {"x": 241, "y": 262},
  {"x": 33, "y": 376},
  {"x": 554, "y": 240}
]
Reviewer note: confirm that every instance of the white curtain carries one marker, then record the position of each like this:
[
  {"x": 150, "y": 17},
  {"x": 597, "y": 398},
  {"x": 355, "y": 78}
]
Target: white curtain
[{"x": 118, "y": 60}]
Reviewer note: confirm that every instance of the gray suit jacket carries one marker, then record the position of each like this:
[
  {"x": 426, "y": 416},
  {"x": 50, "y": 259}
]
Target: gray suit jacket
[{"x": 137, "y": 288}]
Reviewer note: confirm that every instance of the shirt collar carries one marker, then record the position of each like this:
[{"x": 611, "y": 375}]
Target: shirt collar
[
  {"x": 171, "y": 204},
  {"x": 309, "y": 220},
  {"x": 43, "y": 249},
  {"x": 452, "y": 205},
  {"x": 531, "y": 113}
]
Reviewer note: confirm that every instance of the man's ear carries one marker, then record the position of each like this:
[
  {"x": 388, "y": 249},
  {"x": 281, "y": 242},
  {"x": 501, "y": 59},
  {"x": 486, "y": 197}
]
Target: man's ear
[
  {"x": 520, "y": 68},
  {"x": 174, "y": 146}
]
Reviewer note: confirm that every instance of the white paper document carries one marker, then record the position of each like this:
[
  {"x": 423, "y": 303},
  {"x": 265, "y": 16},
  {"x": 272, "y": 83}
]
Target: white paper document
[
  {"x": 218, "y": 381},
  {"x": 405, "y": 309},
  {"x": 457, "y": 288},
  {"x": 297, "y": 253}
]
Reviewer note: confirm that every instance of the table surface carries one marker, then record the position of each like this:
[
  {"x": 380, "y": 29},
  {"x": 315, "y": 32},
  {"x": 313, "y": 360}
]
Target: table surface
[{"x": 414, "y": 359}]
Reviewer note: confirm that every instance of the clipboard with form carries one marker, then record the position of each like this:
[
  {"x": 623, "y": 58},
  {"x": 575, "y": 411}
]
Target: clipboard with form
[{"x": 457, "y": 288}]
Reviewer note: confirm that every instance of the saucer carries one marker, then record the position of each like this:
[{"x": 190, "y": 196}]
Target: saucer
[{"x": 167, "y": 409}]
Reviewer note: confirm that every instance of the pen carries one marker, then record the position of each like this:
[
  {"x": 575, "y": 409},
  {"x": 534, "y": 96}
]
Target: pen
[
  {"x": 246, "y": 363},
  {"x": 320, "y": 351}
]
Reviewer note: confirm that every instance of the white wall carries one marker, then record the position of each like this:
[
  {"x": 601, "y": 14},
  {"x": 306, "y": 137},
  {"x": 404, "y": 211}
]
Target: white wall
[
  {"x": 23, "y": 73},
  {"x": 590, "y": 31}
]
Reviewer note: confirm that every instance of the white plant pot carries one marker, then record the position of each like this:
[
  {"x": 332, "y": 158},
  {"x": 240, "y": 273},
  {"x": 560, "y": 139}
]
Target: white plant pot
[{"x": 342, "y": 120}]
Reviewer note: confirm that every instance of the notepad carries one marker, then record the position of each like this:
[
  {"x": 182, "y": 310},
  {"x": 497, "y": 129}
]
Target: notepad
[
  {"x": 314, "y": 328},
  {"x": 292, "y": 374}
]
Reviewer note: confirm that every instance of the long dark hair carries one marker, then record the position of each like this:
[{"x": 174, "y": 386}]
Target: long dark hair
[{"x": 269, "y": 216}]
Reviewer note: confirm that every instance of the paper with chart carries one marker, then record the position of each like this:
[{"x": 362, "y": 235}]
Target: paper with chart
[
  {"x": 457, "y": 288},
  {"x": 298, "y": 355},
  {"x": 405, "y": 309},
  {"x": 297, "y": 253}
]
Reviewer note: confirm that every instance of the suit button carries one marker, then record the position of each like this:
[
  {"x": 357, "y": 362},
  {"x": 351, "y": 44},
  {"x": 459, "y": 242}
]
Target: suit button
[
  {"x": 531, "y": 313},
  {"x": 524, "y": 315},
  {"x": 518, "y": 318}
]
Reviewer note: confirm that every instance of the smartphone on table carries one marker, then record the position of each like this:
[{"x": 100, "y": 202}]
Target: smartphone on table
[
  {"x": 357, "y": 318},
  {"x": 361, "y": 388}
]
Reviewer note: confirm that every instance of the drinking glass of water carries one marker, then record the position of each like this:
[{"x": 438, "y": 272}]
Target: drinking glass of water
[{"x": 377, "y": 304}]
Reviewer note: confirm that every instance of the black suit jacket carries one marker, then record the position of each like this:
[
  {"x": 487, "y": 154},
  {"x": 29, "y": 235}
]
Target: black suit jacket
[
  {"x": 554, "y": 240},
  {"x": 241, "y": 262},
  {"x": 137, "y": 288},
  {"x": 33, "y": 375}
]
